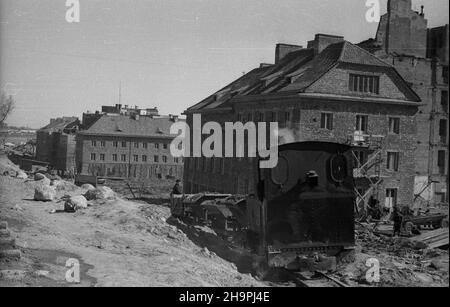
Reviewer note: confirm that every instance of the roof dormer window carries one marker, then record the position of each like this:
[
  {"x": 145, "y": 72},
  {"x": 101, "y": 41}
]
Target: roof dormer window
[{"x": 364, "y": 84}]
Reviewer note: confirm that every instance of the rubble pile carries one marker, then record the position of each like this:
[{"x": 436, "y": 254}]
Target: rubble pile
[{"x": 403, "y": 261}]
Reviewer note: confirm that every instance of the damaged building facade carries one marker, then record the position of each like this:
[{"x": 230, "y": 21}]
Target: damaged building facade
[
  {"x": 55, "y": 144},
  {"x": 127, "y": 146},
  {"x": 420, "y": 54},
  {"x": 331, "y": 91}
]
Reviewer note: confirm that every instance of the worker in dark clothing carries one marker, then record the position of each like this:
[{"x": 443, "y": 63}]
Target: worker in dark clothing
[
  {"x": 398, "y": 219},
  {"x": 176, "y": 190}
]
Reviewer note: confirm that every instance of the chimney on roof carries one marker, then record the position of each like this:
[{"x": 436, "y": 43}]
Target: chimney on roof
[
  {"x": 281, "y": 50},
  {"x": 322, "y": 41}
]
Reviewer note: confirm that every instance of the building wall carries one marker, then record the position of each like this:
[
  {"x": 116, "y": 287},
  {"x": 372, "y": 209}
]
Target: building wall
[
  {"x": 429, "y": 80},
  {"x": 56, "y": 148},
  {"x": 238, "y": 175},
  {"x": 129, "y": 168}
]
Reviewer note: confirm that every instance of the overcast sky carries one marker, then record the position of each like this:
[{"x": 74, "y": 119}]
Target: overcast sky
[{"x": 166, "y": 53}]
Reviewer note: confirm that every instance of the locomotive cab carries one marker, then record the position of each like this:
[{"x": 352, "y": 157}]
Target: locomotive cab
[{"x": 305, "y": 205}]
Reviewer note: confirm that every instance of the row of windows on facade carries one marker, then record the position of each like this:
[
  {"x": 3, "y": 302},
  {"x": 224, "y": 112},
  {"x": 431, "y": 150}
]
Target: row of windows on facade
[
  {"x": 123, "y": 144},
  {"x": 144, "y": 158},
  {"x": 393, "y": 160},
  {"x": 327, "y": 121}
]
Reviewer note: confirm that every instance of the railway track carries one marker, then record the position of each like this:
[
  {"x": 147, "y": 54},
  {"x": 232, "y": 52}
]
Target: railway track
[{"x": 318, "y": 280}]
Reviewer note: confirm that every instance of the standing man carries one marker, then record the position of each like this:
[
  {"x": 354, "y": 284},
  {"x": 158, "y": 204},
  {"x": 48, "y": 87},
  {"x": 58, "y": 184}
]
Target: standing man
[{"x": 398, "y": 219}]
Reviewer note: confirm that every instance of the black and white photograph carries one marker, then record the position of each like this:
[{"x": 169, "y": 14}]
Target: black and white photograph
[{"x": 224, "y": 149}]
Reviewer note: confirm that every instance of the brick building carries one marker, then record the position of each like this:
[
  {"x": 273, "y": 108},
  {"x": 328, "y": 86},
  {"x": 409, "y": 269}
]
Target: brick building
[
  {"x": 135, "y": 147},
  {"x": 330, "y": 91},
  {"x": 421, "y": 57},
  {"x": 55, "y": 143}
]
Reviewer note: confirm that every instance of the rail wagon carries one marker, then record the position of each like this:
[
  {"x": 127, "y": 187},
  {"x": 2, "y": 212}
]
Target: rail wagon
[{"x": 303, "y": 206}]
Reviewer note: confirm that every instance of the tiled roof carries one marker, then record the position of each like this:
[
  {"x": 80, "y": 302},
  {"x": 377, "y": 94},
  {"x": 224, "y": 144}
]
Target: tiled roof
[
  {"x": 295, "y": 73},
  {"x": 121, "y": 125}
]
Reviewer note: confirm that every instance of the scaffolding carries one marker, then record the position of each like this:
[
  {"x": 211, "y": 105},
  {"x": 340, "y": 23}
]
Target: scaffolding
[{"x": 368, "y": 168}]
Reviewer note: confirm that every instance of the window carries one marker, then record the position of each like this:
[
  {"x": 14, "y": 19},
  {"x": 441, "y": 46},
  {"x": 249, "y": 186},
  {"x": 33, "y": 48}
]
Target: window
[
  {"x": 136, "y": 144},
  {"x": 102, "y": 144},
  {"x": 156, "y": 159},
  {"x": 157, "y": 145},
  {"x": 392, "y": 161},
  {"x": 364, "y": 84},
  {"x": 94, "y": 143},
  {"x": 145, "y": 145},
  {"x": 135, "y": 158},
  {"x": 326, "y": 121},
  {"x": 273, "y": 117},
  {"x": 360, "y": 158},
  {"x": 287, "y": 117},
  {"x": 116, "y": 144},
  {"x": 114, "y": 157},
  {"x": 394, "y": 125},
  {"x": 443, "y": 130},
  {"x": 249, "y": 117},
  {"x": 361, "y": 123},
  {"x": 123, "y": 158},
  {"x": 102, "y": 157},
  {"x": 124, "y": 144},
  {"x": 165, "y": 146},
  {"x": 260, "y": 117},
  {"x": 444, "y": 101},
  {"x": 441, "y": 162},
  {"x": 93, "y": 157},
  {"x": 391, "y": 198},
  {"x": 164, "y": 159},
  {"x": 144, "y": 158}
]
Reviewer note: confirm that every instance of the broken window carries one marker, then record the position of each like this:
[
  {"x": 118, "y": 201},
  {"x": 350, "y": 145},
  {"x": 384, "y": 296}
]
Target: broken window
[
  {"x": 364, "y": 84},
  {"x": 394, "y": 125},
  {"x": 441, "y": 162},
  {"x": 361, "y": 123},
  {"x": 392, "y": 161},
  {"x": 391, "y": 198},
  {"x": 326, "y": 121}
]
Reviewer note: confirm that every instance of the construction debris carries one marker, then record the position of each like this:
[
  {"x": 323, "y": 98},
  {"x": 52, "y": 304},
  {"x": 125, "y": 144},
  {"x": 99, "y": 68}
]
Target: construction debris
[{"x": 434, "y": 239}]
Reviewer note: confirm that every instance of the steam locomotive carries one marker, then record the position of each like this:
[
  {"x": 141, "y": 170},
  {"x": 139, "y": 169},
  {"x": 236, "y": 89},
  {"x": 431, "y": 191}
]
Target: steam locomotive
[{"x": 305, "y": 205}]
